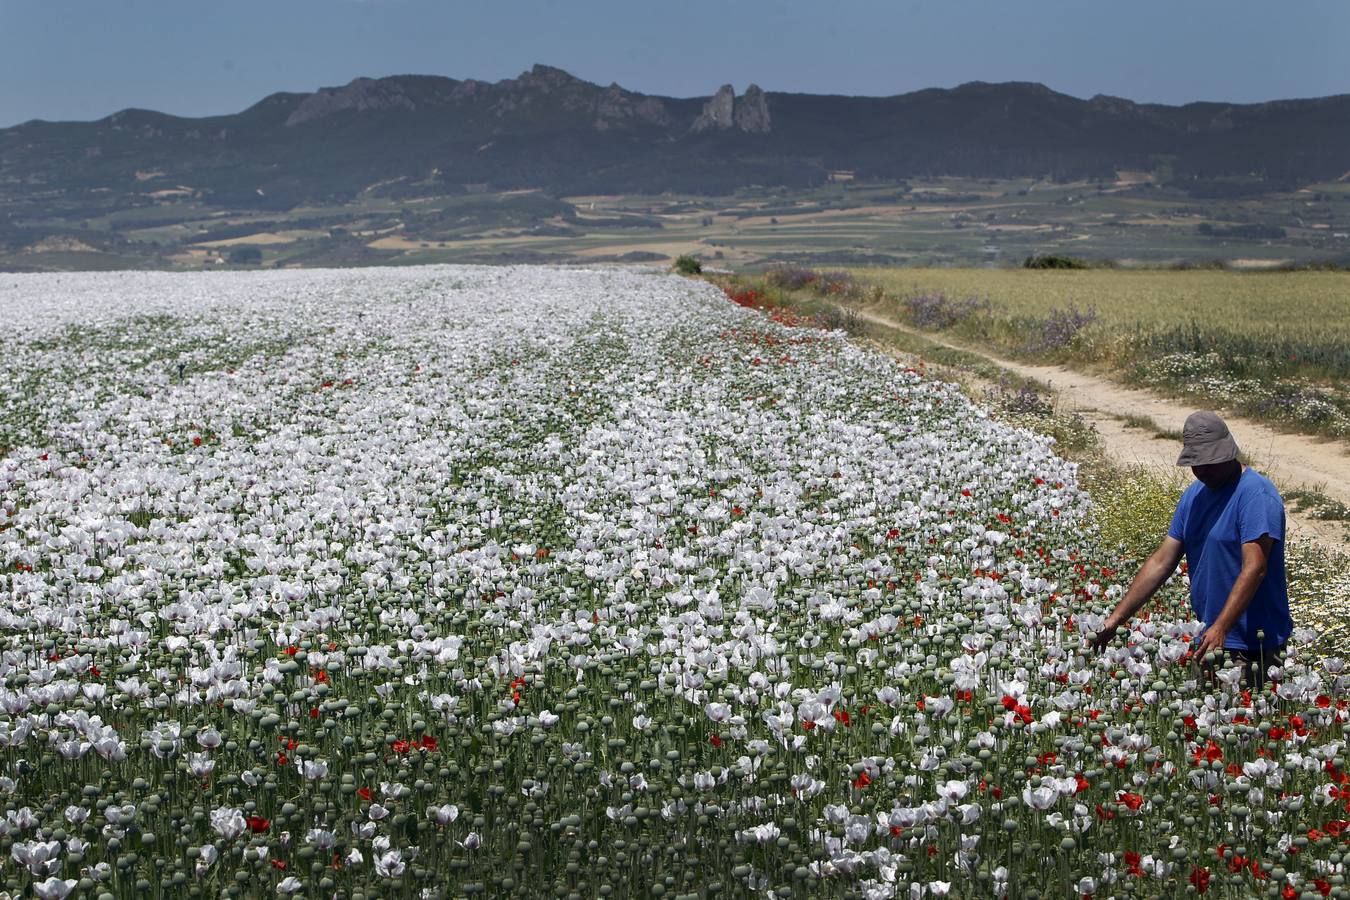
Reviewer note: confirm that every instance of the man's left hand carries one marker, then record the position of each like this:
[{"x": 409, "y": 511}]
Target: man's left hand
[{"x": 1212, "y": 639}]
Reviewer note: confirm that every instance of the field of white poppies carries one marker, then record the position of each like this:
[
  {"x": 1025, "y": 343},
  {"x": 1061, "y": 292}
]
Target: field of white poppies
[{"x": 563, "y": 583}]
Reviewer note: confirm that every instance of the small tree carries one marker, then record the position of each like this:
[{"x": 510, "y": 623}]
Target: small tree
[
  {"x": 688, "y": 265},
  {"x": 245, "y": 256}
]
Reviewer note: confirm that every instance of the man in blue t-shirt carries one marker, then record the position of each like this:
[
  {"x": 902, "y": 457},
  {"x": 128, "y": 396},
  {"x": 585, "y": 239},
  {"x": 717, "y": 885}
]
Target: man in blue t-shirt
[{"x": 1230, "y": 526}]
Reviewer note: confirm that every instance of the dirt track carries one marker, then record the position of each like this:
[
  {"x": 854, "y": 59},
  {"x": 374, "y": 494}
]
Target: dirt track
[{"x": 1291, "y": 460}]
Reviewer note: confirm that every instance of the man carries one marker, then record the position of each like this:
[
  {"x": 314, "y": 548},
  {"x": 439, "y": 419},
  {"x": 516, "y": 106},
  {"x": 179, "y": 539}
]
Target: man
[{"x": 1230, "y": 525}]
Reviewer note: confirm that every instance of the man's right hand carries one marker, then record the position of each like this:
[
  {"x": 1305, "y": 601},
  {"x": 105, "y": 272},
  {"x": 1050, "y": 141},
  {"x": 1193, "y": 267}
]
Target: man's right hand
[{"x": 1104, "y": 636}]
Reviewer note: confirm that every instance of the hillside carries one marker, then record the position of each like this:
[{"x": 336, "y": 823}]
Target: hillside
[{"x": 409, "y": 139}]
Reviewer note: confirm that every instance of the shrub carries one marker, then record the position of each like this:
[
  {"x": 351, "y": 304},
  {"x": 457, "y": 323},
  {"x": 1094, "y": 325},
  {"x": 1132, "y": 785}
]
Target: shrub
[
  {"x": 939, "y": 311},
  {"x": 1052, "y": 261},
  {"x": 245, "y": 256},
  {"x": 835, "y": 283},
  {"x": 1133, "y": 506},
  {"x": 791, "y": 278},
  {"x": 837, "y": 319},
  {"x": 688, "y": 265},
  {"x": 1060, "y": 328}
]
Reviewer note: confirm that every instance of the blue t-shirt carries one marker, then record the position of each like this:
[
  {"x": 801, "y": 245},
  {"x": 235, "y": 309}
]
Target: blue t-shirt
[{"x": 1212, "y": 526}]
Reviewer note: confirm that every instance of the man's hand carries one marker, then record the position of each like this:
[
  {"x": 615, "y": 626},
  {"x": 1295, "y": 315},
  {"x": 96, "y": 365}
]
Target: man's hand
[
  {"x": 1212, "y": 639},
  {"x": 1104, "y": 636},
  {"x": 1155, "y": 570}
]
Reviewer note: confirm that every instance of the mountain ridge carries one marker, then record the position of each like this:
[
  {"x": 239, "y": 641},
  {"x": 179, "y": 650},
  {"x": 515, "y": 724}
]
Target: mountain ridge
[
  {"x": 974, "y": 83},
  {"x": 548, "y": 129}
]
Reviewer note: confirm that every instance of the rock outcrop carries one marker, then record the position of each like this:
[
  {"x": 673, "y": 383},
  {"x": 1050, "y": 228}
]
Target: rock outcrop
[
  {"x": 718, "y": 112},
  {"x": 724, "y": 111},
  {"x": 615, "y": 106},
  {"x": 361, "y": 95},
  {"x": 752, "y": 111}
]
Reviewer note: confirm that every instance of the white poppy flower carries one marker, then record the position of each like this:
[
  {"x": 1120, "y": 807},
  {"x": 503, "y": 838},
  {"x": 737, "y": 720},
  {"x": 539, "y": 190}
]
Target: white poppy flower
[{"x": 54, "y": 888}]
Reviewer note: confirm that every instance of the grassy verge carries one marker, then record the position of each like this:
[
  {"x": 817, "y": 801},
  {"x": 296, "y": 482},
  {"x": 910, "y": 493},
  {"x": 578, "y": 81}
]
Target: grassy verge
[
  {"x": 1133, "y": 504},
  {"x": 1274, "y": 347},
  {"x": 1318, "y": 505}
]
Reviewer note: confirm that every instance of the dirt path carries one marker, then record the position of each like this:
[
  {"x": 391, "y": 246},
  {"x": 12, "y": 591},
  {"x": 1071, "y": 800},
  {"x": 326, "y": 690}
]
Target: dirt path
[{"x": 1291, "y": 460}]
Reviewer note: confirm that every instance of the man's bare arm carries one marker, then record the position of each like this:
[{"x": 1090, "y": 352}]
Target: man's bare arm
[
  {"x": 1255, "y": 555},
  {"x": 1151, "y": 575}
]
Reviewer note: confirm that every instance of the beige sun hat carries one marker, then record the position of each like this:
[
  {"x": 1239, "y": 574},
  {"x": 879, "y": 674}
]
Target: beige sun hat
[{"x": 1206, "y": 440}]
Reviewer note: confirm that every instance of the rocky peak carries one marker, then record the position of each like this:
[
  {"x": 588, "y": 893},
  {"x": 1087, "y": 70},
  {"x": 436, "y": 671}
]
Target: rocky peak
[
  {"x": 545, "y": 78},
  {"x": 616, "y": 106},
  {"x": 749, "y": 114},
  {"x": 752, "y": 111},
  {"x": 717, "y": 112},
  {"x": 361, "y": 95},
  {"x": 1114, "y": 105}
]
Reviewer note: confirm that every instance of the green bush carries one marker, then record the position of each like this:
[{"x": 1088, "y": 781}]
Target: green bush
[
  {"x": 1134, "y": 506},
  {"x": 1054, "y": 262},
  {"x": 688, "y": 265},
  {"x": 245, "y": 256}
]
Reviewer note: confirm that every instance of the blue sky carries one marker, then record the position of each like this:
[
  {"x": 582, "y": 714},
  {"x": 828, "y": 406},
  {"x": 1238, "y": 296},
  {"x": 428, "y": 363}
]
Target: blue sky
[{"x": 62, "y": 59}]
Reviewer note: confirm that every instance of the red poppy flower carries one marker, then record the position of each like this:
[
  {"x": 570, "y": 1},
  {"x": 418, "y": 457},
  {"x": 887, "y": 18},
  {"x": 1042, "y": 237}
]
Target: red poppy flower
[
  {"x": 257, "y": 824},
  {"x": 364, "y": 794},
  {"x": 1200, "y": 879},
  {"x": 1209, "y": 753}
]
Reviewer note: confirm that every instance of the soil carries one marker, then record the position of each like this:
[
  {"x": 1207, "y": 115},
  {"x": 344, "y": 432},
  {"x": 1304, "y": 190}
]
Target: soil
[
  {"x": 262, "y": 237},
  {"x": 1290, "y": 460}
]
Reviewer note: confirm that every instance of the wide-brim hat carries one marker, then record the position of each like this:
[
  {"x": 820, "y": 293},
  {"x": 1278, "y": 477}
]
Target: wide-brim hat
[{"x": 1206, "y": 440}]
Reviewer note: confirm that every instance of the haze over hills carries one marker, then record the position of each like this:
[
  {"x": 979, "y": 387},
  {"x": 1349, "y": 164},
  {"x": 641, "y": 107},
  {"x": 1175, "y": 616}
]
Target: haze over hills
[{"x": 415, "y": 138}]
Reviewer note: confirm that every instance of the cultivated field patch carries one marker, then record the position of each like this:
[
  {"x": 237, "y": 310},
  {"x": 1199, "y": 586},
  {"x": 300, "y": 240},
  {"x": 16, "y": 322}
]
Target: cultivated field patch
[
  {"x": 449, "y": 581},
  {"x": 1274, "y": 346}
]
